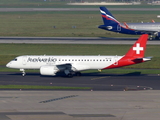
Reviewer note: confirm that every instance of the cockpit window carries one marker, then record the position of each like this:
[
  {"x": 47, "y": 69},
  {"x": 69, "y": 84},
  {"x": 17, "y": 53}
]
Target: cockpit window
[{"x": 15, "y": 59}]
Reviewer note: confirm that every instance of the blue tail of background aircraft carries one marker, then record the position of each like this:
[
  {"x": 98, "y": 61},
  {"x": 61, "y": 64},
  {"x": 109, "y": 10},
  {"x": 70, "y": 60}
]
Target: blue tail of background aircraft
[
  {"x": 110, "y": 23},
  {"x": 107, "y": 17}
]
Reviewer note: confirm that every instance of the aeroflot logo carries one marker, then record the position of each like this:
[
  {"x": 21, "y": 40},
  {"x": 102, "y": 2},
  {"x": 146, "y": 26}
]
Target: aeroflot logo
[
  {"x": 108, "y": 16},
  {"x": 39, "y": 59}
]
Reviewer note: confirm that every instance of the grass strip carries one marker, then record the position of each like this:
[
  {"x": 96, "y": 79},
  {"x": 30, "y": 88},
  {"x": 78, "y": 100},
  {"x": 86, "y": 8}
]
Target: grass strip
[
  {"x": 66, "y": 23},
  {"x": 36, "y": 87}
]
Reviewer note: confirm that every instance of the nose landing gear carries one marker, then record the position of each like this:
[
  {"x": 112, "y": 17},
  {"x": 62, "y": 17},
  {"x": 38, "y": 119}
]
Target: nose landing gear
[{"x": 23, "y": 72}]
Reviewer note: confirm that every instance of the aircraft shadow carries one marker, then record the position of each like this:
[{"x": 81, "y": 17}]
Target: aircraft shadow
[{"x": 98, "y": 74}]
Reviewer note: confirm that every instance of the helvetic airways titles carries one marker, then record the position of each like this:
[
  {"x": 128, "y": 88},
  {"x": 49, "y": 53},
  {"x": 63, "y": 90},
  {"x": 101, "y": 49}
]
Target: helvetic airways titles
[
  {"x": 39, "y": 59},
  {"x": 52, "y": 59}
]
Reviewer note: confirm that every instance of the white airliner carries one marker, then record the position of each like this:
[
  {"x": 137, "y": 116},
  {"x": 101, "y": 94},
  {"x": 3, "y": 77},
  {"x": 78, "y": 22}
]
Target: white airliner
[{"x": 50, "y": 65}]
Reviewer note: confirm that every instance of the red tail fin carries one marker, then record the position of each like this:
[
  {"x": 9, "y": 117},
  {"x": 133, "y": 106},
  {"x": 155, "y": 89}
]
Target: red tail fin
[{"x": 138, "y": 49}]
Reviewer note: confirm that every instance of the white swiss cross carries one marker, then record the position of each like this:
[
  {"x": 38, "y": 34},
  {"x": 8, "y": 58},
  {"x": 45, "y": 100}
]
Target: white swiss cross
[{"x": 138, "y": 48}]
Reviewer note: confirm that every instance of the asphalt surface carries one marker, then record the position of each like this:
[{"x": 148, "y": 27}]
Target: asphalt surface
[
  {"x": 79, "y": 105},
  {"x": 73, "y": 40},
  {"x": 74, "y": 9},
  {"x": 97, "y": 81}
]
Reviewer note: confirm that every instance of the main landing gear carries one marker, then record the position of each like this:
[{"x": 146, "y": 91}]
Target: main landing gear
[
  {"x": 78, "y": 73},
  {"x": 71, "y": 73},
  {"x": 154, "y": 38},
  {"x": 23, "y": 72}
]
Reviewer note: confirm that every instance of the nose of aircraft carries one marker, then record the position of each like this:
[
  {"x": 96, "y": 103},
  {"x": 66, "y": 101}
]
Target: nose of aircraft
[{"x": 8, "y": 65}]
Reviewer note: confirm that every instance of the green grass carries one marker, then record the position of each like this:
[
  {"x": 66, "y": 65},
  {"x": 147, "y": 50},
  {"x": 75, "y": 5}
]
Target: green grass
[
  {"x": 33, "y": 87},
  {"x": 42, "y": 24},
  {"x": 31, "y": 3}
]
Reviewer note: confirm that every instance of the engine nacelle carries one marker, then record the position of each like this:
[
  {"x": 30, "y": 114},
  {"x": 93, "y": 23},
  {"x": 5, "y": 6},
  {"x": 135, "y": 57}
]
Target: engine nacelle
[{"x": 48, "y": 70}]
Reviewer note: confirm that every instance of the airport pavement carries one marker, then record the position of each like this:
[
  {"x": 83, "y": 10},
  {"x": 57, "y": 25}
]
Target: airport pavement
[
  {"x": 108, "y": 100},
  {"x": 97, "y": 81},
  {"x": 74, "y": 9},
  {"x": 80, "y": 105},
  {"x": 72, "y": 40}
]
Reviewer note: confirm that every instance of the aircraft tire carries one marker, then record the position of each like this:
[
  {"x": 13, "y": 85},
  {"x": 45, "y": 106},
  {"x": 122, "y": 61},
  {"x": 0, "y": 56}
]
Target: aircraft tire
[
  {"x": 70, "y": 75},
  {"x": 78, "y": 74}
]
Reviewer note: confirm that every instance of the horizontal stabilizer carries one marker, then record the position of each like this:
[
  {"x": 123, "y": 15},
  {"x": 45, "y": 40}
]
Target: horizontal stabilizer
[
  {"x": 142, "y": 59},
  {"x": 147, "y": 58}
]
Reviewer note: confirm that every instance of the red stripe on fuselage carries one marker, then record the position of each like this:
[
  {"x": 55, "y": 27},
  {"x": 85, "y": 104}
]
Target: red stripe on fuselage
[{"x": 124, "y": 61}]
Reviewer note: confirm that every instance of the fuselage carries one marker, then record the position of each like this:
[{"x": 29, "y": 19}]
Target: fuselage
[
  {"x": 145, "y": 26},
  {"x": 134, "y": 28},
  {"x": 77, "y": 62}
]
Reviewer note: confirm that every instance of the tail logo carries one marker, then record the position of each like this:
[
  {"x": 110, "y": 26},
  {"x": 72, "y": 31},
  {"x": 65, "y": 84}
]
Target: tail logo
[
  {"x": 108, "y": 17},
  {"x": 138, "y": 48}
]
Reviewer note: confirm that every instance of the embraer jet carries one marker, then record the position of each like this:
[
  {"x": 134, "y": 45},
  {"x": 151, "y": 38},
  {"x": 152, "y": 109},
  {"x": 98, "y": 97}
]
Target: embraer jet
[
  {"x": 111, "y": 24},
  {"x": 50, "y": 65}
]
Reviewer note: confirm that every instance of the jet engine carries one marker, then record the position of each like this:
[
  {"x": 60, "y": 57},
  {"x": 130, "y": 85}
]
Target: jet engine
[{"x": 48, "y": 70}]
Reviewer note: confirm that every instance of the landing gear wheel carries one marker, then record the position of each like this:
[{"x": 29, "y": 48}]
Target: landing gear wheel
[
  {"x": 23, "y": 72},
  {"x": 78, "y": 74},
  {"x": 150, "y": 38},
  {"x": 70, "y": 75}
]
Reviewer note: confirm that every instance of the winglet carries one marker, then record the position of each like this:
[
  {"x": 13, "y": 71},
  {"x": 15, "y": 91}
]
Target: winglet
[
  {"x": 138, "y": 49},
  {"x": 153, "y": 21},
  {"x": 126, "y": 25}
]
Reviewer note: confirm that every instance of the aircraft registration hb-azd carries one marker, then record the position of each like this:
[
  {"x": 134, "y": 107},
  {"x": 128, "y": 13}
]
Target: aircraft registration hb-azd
[
  {"x": 111, "y": 24},
  {"x": 50, "y": 65}
]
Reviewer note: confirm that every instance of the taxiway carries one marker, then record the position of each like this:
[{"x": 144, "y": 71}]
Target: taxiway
[
  {"x": 79, "y": 105},
  {"x": 73, "y": 9},
  {"x": 97, "y": 81},
  {"x": 72, "y": 40}
]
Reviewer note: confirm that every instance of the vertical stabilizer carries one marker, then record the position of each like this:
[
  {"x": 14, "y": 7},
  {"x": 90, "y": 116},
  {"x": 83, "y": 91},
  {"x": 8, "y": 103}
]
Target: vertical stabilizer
[
  {"x": 135, "y": 54},
  {"x": 107, "y": 17},
  {"x": 139, "y": 47}
]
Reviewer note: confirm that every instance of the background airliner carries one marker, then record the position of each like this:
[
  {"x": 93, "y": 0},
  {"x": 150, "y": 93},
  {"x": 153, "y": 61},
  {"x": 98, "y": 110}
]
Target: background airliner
[
  {"x": 111, "y": 24},
  {"x": 50, "y": 65}
]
